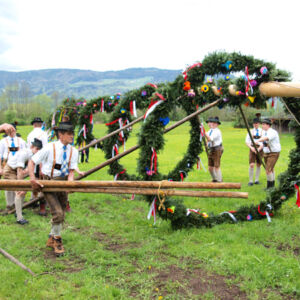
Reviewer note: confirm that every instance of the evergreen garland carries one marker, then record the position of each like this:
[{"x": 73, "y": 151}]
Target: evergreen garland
[{"x": 194, "y": 89}]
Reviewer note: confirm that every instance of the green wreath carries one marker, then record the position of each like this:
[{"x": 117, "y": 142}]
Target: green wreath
[
  {"x": 193, "y": 89},
  {"x": 217, "y": 70}
]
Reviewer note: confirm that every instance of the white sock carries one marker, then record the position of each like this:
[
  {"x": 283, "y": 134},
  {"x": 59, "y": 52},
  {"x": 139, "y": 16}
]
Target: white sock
[
  {"x": 213, "y": 174},
  {"x": 270, "y": 177},
  {"x": 251, "y": 171},
  {"x": 219, "y": 175},
  {"x": 9, "y": 196},
  {"x": 19, "y": 204},
  {"x": 56, "y": 229},
  {"x": 257, "y": 173}
]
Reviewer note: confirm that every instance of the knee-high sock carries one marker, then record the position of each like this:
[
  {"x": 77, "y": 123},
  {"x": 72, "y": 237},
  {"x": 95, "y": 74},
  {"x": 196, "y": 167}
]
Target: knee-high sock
[
  {"x": 273, "y": 175},
  {"x": 19, "y": 203},
  {"x": 10, "y": 198},
  {"x": 251, "y": 171},
  {"x": 56, "y": 229},
  {"x": 257, "y": 173},
  {"x": 219, "y": 175},
  {"x": 213, "y": 174},
  {"x": 270, "y": 177}
]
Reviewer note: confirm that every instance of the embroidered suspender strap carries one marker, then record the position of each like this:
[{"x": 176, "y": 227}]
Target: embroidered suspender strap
[
  {"x": 70, "y": 158},
  {"x": 54, "y": 161}
]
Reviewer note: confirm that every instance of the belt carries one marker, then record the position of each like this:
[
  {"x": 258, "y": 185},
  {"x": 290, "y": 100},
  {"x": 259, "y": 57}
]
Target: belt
[{"x": 216, "y": 147}]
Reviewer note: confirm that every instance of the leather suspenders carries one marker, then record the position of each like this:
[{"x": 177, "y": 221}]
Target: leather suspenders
[{"x": 54, "y": 159}]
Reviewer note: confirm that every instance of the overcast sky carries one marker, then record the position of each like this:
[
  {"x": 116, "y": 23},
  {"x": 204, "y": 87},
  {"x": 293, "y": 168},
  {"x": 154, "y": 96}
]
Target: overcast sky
[{"x": 117, "y": 34}]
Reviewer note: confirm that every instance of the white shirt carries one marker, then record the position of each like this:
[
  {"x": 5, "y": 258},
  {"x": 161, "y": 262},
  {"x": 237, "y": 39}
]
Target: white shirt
[
  {"x": 45, "y": 156},
  {"x": 273, "y": 142},
  {"x": 37, "y": 133},
  {"x": 20, "y": 159},
  {"x": 215, "y": 137},
  {"x": 254, "y": 133},
  {"x": 6, "y": 142}
]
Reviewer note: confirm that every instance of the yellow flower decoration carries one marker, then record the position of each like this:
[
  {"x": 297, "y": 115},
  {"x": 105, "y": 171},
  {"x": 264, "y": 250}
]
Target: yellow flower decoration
[
  {"x": 204, "y": 88},
  {"x": 204, "y": 215},
  {"x": 251, "y": 98}
]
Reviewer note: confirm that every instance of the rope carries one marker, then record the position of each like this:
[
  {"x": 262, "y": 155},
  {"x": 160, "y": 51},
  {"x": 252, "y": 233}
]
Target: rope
[{"x": 163, "y": 194}]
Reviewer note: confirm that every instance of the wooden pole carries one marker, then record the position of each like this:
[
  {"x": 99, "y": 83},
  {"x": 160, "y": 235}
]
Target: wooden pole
[
  {"x": 111, "y": 134},
  {"x": 25, "y": 184},
  {"x": 14, "y": 260},
  {"x": 297, "y": 121},
  {"x": 146, "y": 191},
  {"x": 25, "y": 205},
  {"x": 109, "y": 161},
  {"x": 251, "y": 137},
  {"x": 280, "y": 89}
]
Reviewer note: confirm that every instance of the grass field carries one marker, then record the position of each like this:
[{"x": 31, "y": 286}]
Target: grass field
[{"x": 114, "y": 252}]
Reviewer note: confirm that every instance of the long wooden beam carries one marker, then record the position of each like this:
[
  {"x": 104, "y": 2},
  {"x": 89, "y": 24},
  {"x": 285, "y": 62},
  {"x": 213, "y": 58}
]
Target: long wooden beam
[
  {"x": 109, "y": 161},
  {"x": 20, "y": 184},
  {"x": 146, "y": 191}
]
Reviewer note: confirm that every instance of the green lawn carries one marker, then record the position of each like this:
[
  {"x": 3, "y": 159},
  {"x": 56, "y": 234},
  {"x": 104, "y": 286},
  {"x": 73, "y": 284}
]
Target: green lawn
[{"x": 114, "y": 252}]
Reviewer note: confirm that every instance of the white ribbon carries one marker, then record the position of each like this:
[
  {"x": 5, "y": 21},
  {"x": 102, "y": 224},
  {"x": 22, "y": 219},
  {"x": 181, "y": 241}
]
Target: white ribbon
[
  {"x": 230, "y": 215},
  {"x": 152, "y": 210}
]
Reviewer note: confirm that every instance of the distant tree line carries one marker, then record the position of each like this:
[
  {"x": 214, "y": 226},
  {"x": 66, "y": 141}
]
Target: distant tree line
[{"x": 18, "y": 104}]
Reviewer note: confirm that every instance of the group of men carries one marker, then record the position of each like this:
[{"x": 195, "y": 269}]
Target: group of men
[
  {"x": 46, "y": 161},
  {"x": 263, "y": 143}
]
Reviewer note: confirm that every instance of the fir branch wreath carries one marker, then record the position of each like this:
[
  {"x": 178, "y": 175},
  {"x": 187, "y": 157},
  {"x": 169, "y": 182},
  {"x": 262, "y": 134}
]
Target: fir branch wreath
[{"x": 192, "y": 90}]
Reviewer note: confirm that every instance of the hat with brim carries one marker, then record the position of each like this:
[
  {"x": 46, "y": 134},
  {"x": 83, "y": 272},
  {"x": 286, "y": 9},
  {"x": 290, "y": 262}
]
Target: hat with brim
[
  {"x": 256, "y": 120},
  {"x": 266, "y": 121},
  {"x": 37, "y": 120},
  {"x": 37, "y": 143},
  {"x": 213, "y": 120},
  {"x": 65, "y": 126}
]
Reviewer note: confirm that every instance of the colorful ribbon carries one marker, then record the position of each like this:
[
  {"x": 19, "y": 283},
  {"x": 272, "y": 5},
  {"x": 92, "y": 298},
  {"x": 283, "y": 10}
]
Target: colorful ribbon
[
  {"x": 152, "y": 211},
  {"x": 133, "y": 108},
  {"x": 115, "y": 150},
  {"x": 189, "y": 210},
  {"x": 118, "y": 174},
  {"x": 153, "y": 163},
  {"x": 297, "y": 195},
  {"x": 230, "y": 215}
]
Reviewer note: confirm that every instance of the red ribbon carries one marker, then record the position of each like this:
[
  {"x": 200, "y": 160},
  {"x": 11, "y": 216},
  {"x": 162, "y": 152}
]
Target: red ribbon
[
  {"x": 297, "y": 195},
  {"x": 247, "y": 81},
  {"x": 153, "y": 165},
  {"x": 263, "y": 213},
  {"x": 190, "y": 68},
  {"x": 91, "y": 118},
  {"x": 152, "y": 84},
  {"x": 113, "y": 122}
]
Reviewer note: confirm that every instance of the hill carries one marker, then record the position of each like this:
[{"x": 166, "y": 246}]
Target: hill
[{"x": 86, "y": 83}]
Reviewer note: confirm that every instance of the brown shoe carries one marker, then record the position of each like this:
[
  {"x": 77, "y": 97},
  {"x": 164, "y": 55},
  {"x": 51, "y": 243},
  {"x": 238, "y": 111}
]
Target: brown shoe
[
  {"x": 58, "y": 246},
  {"x": 50, "y": 242}
]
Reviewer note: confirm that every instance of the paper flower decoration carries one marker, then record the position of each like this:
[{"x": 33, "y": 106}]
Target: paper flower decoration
[
  {"x": 171, "y": 209},
  {"x": 186, "y": 86},
  {"x": 94, "y": 105},
  {"x": 209, "y": 79},
  {"x": 109, "y": 103},
  {"x": 84, "y": 104},
  {"x": 227, "y": 65},
  {"x": 227, "y": 77},
  {"x": 112, "y": 97},
  {"x": 251, "y": 98},
  {"x": 165, "y": 120},
  {"x": 204, "y": 88},
  {"x": 118, "y": 96},
  {"x": 253, "y": 83},
  {"x": 191, "y": 93},
  {"x": 283, "y": 197},
  {"x": 239, "y": 93},
  {"x": 122, "y": 110},
  {"x": 144, "y": 93},
  {"x": 249, "y": 218},
  {"x": 204, "y": 215},
  {"x": 263, "y": 70}
]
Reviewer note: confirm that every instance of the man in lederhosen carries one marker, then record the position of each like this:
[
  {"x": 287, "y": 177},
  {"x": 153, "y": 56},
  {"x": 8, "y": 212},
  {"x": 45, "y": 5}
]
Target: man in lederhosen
[
  {"x": 9, "y": 146},
  {"x": 16, "y": 169},
  {"x": 38, "y": 133},
  {"x": 59, "y": 160},
  {"x": 214, "y": 138},
  {"x": 256, "y": 133},
  {"x": 272, "y": 148}
]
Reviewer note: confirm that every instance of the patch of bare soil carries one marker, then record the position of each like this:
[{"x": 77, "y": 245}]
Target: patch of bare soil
[
  {"x": 113, "y": 243},
  {"x": 72, "y": 264},
  {"x": 195, "y": 281}
]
